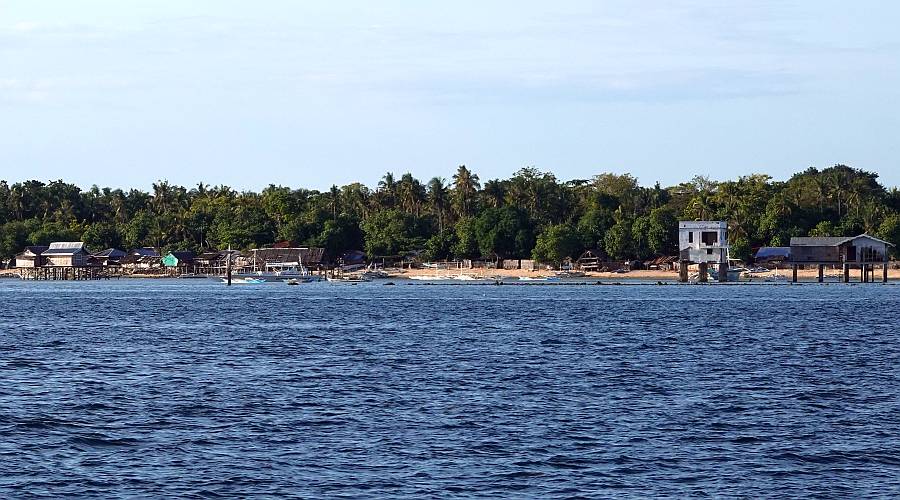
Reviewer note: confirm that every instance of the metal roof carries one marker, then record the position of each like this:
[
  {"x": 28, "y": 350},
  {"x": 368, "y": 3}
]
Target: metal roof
[
  {"x": 145, "y": 252},
  {"x": 818, "y": 241},
  {"x": 773, "y": 253},
  {"x": 831, "y": 241},
  {"x": 110, "y": 252},
  {"x": 302, "y": 255},
  {"x": 183, "y": 255},
  {"x": 35, "y": 249},
  {"x": 65, "y": 248}
]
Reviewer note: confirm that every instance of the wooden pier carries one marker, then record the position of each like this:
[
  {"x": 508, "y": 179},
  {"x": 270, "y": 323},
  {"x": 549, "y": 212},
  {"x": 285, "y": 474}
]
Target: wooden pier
[{"x": 65, "y": 273}]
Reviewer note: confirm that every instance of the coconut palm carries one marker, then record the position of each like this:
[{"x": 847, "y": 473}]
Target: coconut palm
[
  {"x": 465, "y": 187},
  {"x": 437, "y": 197}
]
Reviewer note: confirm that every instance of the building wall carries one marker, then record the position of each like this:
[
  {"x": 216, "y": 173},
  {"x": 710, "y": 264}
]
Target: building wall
[
  {"x": 692, "y": 247},
  {"x": 76, "y": 260},
  {"x": 869, "y": 250},
  {"x": 27, "y": 262},
  {"x": 59, "y": 260},
  {"x": 816, "y": 254}
]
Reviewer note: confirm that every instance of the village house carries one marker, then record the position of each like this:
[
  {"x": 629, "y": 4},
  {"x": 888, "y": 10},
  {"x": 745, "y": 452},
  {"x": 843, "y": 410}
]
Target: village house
[
  {"x": 278, "y": 259},
  {"x": 66, "y": 254},
  {"x": 214, "y": 263},
  {"x": 110, "y": 256},
  {"x": 179, "y": 262},
  {"x": 863, "y": 252},
  {"x": 144, "y": 260},
  {"x": 30, "y": 257}
]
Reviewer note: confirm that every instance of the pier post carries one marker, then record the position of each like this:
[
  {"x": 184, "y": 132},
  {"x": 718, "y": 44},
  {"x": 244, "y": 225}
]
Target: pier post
[
  {"x": 704, "y": 272},
  {"x": 793, "y": 273},
  {"x": 683, "y": 271},
  {"x": 862, "y": 273},
  {"x": 846, "y": 275},
  {"x": 228, "y": 267},
  {"x": 723, "y": 272},
  {"x": 821, "y": 273},
  {"x": 884, "y": 272}
]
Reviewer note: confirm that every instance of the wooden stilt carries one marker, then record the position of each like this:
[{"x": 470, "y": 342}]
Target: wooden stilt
[{"x": 723, "y": 272}]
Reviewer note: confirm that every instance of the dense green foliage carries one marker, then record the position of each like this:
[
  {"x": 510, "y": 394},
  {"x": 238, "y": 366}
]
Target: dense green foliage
[{"x": 530, "y": 214}]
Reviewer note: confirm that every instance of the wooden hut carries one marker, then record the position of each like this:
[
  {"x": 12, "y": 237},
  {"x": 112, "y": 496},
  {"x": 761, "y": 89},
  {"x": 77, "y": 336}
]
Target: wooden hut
[
  {"x": 863, "y": 252},
  {"x": 30, "y": 257},
  {"x": 179, "y": 262},
  {"x": 144, "y": 260},
  {"x": 66, "y": 254},
  {"x": 110, "y": 256},
  {"x": 590, "y": 260},
  {"x": 276, "y": 259}
]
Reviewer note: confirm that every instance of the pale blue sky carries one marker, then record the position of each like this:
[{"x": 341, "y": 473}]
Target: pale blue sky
[{"x": 305, "y": 93}]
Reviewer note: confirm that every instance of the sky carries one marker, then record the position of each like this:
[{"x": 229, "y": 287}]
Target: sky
[{"x": 314, "y": 93}]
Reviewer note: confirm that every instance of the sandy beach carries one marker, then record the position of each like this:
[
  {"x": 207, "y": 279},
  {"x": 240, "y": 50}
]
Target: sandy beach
[{"x": 803, "y": 274}]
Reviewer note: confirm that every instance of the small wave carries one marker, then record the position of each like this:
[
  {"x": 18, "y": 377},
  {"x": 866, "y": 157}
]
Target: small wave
[{"x": 103, "y": 442}]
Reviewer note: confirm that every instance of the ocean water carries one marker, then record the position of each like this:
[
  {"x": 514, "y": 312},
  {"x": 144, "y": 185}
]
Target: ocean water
[{"x": 188, "y": 389}]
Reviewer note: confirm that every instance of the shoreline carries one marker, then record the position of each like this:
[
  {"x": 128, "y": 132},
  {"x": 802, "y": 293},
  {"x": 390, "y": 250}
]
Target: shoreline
[{"x": 804, "y": 276}]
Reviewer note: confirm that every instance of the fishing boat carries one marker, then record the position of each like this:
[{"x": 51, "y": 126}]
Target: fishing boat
[
  {"x": 540, "y": 278},
  {"x": 570, "y": 274},
  {"x": 191, "y": 276},
  {"x": 733, "y": 274},
  {"x": 244, "y": 281},
  {"x": 348, "y": 279}
]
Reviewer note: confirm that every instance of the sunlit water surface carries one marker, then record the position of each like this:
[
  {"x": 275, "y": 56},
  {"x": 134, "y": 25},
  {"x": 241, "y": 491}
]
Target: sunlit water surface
[{"x": 186, "y": 388}]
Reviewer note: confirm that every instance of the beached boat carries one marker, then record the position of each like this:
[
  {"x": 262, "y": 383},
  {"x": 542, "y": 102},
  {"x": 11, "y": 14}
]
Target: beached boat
[{"x": 539, "y": 278}]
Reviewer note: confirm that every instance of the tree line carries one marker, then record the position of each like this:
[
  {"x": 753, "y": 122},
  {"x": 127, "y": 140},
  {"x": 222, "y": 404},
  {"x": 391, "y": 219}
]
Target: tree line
[{"x": 530, "y": 215}]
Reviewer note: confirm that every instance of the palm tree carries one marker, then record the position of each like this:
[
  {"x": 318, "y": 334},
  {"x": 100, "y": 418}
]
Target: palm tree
[
  {"x": 387, "y": 190},
  {"x": 162, "y": 194},
  {"x": 16, "y": 204},
  {"x": 334, "y": 199},
  {"x": 465, "y": 185},
  {"x": 356, "y": 198},
  {"x": 437, "y": 195},
  {"x": 411, "y": 194},
  {"x": 494, "y": 192}
]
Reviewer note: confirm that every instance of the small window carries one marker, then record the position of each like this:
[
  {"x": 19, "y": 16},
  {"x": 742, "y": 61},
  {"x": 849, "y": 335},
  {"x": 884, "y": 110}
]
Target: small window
[
  {"x": 709, "y": 251},
  {"x": 691, "y": 237}
]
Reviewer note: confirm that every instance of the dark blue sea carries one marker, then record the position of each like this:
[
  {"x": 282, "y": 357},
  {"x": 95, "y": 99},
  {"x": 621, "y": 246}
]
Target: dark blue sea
[{"x": 189, "y": 389}]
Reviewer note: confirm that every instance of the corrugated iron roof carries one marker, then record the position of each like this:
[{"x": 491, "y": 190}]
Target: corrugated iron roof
[
  {"x": 830, "y": 241},
  {"x": 145, "y": 252},
  {"x": 65, "y": 248},
  {"x": 113, "y": 253},
  {"x": 818, "y": 241},
  {"x": 183, "y": 255},
  {"x": 306, "y": 256},
  {"x": 773, "y": 253},
  {"x": 35, "y": 249}
]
